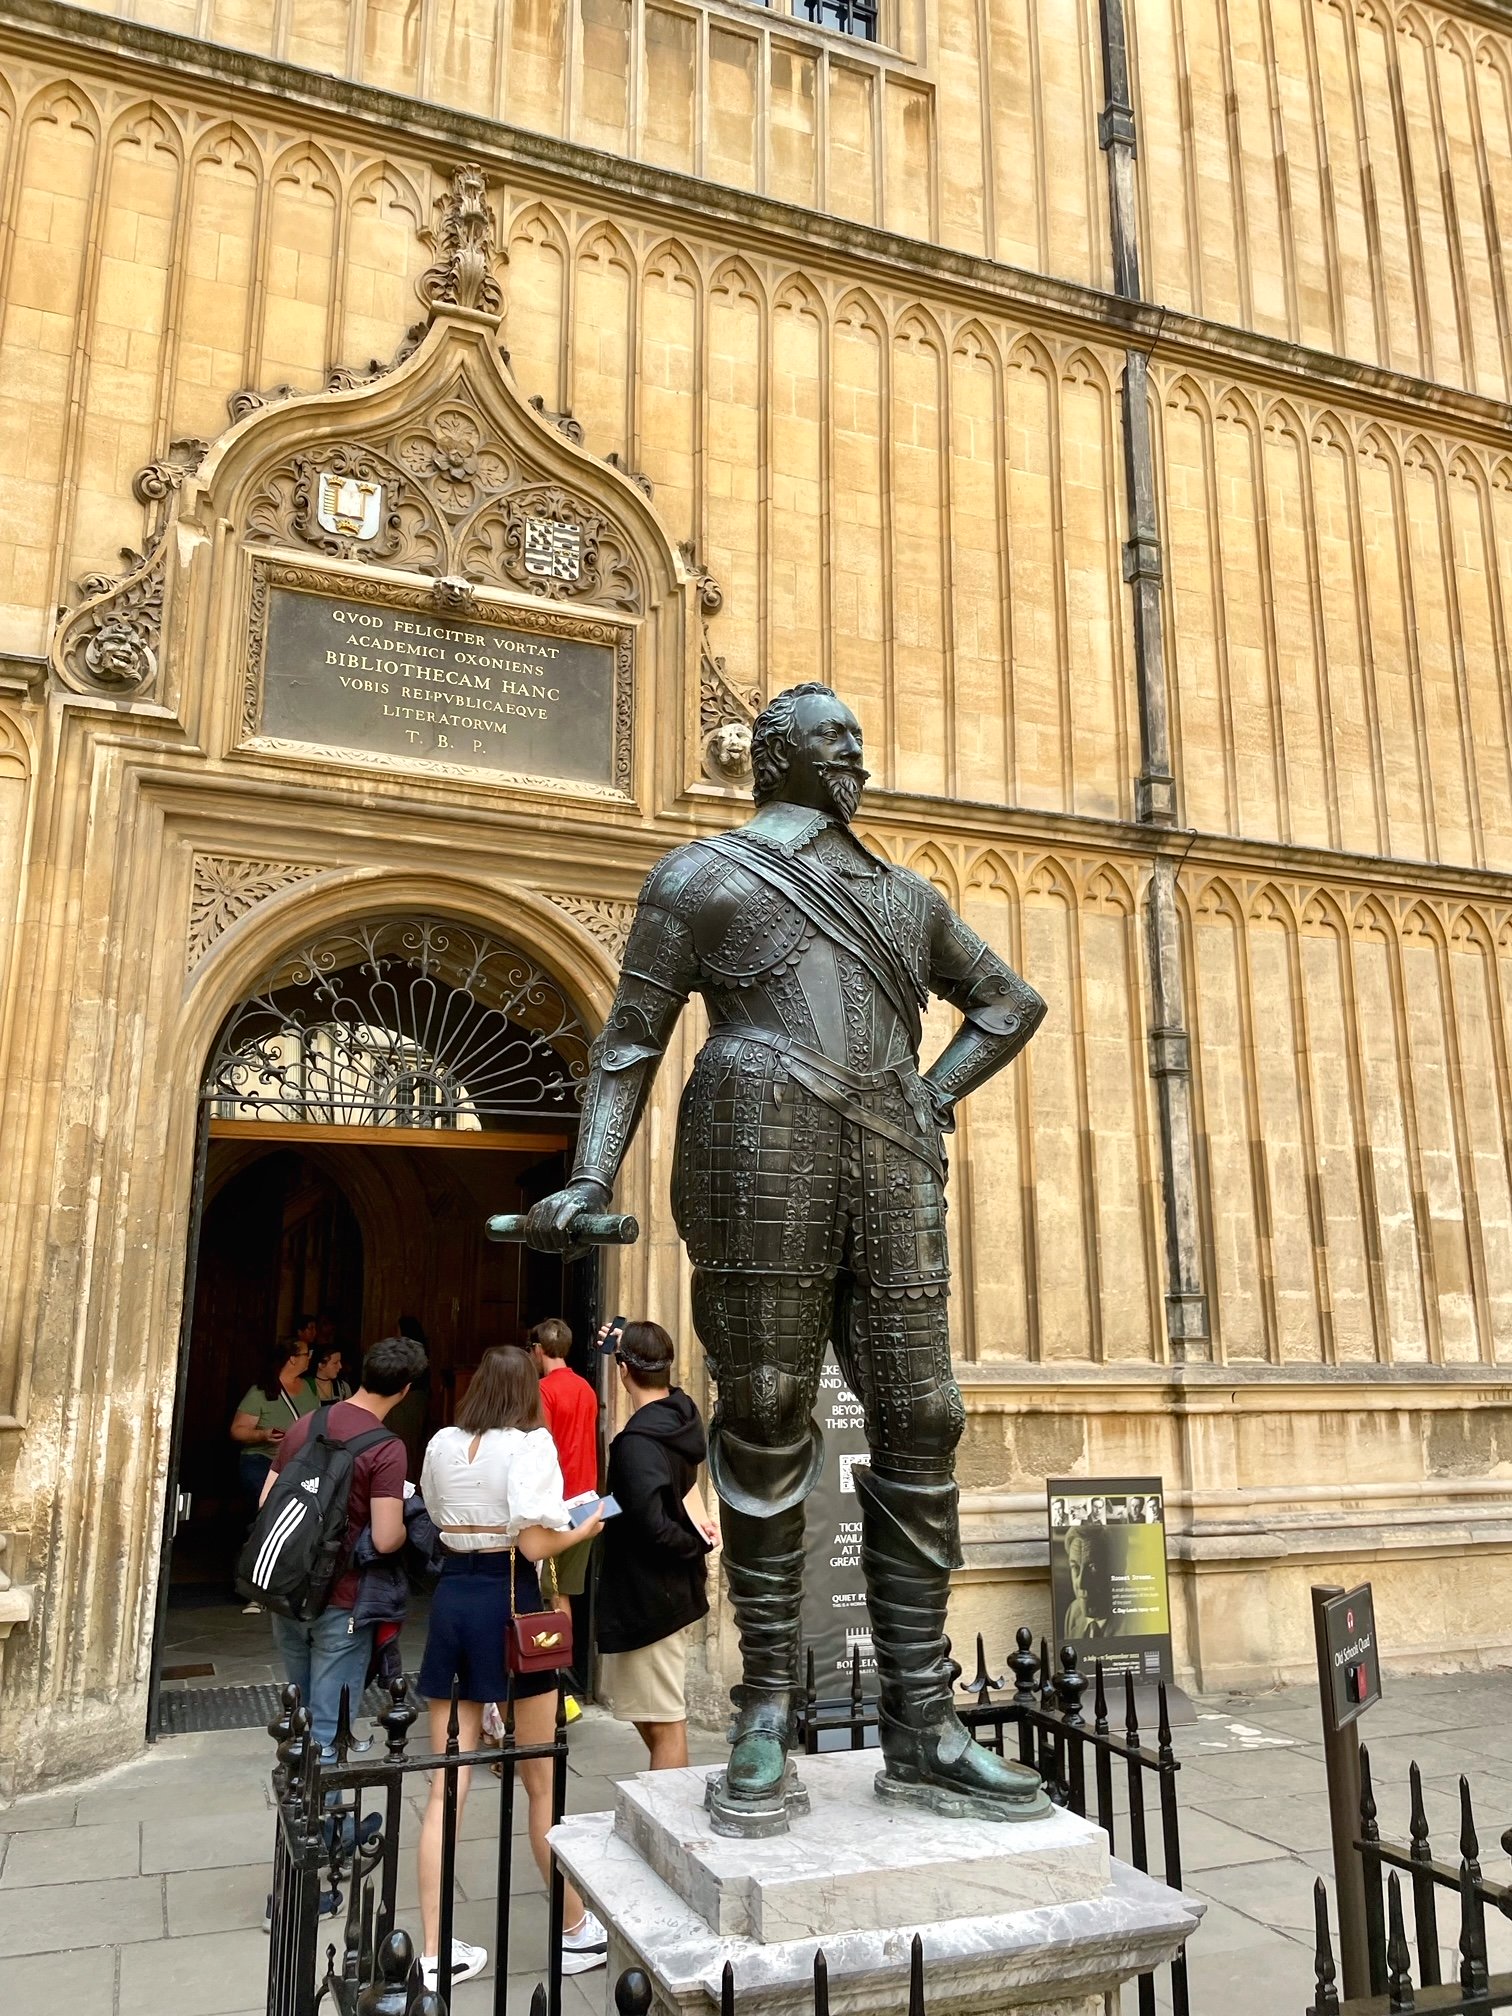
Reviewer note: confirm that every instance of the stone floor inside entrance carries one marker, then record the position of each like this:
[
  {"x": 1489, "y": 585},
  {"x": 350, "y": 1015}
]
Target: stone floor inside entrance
[{"x": 142, "y": 1890}]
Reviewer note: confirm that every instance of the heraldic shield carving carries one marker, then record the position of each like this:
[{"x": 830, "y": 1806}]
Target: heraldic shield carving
[{"x": 426, "y": 570}]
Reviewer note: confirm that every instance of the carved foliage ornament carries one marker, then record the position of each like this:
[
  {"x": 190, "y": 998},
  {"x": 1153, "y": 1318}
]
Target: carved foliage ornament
[
  {"x": 726, "y": 710},
  {"x": 225, "y": 888},
  {"x": 341, "y": 378},
  {"x": 440, "y": 494},
  {"x": 602, "y": 916},
  {"x": 109, "y": 646},
  {"x": 463, "y": 275},
  {"x": 563, "y": 422},
  {"x": 159, "y": 483}
]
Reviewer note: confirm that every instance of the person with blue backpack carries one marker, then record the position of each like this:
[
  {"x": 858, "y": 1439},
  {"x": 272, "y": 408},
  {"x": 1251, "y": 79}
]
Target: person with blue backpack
[{"x": 336, "y": 1472}]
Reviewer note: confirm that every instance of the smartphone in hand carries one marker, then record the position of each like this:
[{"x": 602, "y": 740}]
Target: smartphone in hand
[{"x": 591, "y": 1507}]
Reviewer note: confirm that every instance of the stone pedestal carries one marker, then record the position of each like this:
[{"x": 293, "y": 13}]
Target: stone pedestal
[{"x": 1012, "y": 1914}]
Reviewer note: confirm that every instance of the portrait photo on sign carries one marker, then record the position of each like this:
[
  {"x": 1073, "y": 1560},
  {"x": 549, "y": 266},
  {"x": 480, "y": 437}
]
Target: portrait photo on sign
[{"x": 1108, "y": 1586}]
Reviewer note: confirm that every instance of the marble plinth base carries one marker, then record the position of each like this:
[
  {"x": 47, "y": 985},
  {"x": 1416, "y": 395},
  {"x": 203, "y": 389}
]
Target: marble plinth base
[
  {"x": 1012, "y": 1915},
  {"x": 852, "y": 1864}
]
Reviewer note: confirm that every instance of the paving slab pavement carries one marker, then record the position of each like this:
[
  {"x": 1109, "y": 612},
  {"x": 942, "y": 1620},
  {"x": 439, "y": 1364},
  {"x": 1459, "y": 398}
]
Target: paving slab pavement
[{"x": 143, "y": 1889}]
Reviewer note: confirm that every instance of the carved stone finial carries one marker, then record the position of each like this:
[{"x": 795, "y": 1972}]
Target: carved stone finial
[
  {"x": 347, "y": 377},
  {"x": 250, "y": 400},
  {"x": 463, "y": 276},
  {"x": 637, "y": 476},
  {"x": 710, "y": 594},
  {"x": 563, "y": 422},
  {"x": 159, "y": 481}
]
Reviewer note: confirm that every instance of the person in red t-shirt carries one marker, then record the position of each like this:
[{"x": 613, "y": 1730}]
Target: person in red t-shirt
[
  {"x": 571, "y": 1409},
  {"x": 329, "y": 1653}
]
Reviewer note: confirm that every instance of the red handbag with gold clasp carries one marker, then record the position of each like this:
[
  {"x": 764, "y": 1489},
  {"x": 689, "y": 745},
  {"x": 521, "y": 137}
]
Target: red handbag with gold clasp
[{"x": 540, "y": 1641}]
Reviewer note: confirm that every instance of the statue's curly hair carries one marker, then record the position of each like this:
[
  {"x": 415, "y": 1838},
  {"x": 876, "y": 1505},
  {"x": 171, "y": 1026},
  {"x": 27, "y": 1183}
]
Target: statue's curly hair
[{"x": 774, "y": 735}]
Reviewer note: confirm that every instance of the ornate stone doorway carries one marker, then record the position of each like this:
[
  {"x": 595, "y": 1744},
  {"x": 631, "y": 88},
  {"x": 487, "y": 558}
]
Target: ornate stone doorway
[{"x": 368, "y": 1103}]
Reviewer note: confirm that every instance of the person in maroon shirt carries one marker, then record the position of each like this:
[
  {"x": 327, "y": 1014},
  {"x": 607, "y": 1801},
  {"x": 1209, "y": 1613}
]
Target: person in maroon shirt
[
  {"x": 330, "y": 1652},
  {"x": 571, "y": 1409}
]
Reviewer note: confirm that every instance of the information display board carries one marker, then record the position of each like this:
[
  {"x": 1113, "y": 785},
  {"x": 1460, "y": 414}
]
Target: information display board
[
  {"x": 835, "y": 1621},
  {"x": 1108, "y": 1588},
  {"x": 539, "y": 695}
]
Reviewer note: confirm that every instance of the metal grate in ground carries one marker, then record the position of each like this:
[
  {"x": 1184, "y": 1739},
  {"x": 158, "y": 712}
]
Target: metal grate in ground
[{"x": 190, "y": 1711}]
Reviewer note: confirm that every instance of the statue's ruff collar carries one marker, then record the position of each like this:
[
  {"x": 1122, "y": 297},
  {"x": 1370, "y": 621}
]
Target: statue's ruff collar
[{"x": 790, "y": 827}]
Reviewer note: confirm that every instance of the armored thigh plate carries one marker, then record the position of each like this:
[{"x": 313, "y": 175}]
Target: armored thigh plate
[{"x": 759, "y": 1481}]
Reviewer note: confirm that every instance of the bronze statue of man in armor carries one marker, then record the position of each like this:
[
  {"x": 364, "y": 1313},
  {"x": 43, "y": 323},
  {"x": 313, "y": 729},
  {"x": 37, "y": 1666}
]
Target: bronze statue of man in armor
[{"x": 809, "y": 1188}]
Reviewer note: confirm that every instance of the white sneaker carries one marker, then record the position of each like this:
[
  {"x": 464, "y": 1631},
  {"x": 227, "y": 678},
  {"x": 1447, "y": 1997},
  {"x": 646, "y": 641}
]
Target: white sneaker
[
  {"x": 251, "y": 1609},
  {"x": 466, "y": 1962},
  {"x": 585, "y": 1947}
]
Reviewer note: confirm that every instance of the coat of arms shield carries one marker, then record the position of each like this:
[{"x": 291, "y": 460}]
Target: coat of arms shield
[
  {"x": 553, "y": 551},
  {"x": 349, "y": 506}
]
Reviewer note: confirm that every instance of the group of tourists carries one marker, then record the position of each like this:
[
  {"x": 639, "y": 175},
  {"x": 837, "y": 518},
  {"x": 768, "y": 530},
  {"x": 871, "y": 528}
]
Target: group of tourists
[{"x": 502, "y": 1528}]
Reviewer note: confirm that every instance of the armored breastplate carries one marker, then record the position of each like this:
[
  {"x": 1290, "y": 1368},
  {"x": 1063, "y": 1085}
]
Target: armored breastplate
[{"x": 763, "y": 961}]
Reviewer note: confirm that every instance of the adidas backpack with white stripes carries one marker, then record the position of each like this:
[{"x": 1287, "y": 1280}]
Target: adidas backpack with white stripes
[{"x": 298, "y": 1540}]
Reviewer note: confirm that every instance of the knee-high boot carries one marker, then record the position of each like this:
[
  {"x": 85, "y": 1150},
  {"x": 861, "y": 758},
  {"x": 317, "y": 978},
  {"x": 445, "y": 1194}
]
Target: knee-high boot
[
  {"x": 761, "y": 1493},
  {"x": 909, "y": 1544}
]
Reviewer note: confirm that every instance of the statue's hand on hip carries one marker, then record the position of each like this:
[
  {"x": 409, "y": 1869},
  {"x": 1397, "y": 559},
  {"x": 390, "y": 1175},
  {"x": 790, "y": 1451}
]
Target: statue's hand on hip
[
  {"x": 942, "y": 1105},
  {"x": 549, "y": 1225}
]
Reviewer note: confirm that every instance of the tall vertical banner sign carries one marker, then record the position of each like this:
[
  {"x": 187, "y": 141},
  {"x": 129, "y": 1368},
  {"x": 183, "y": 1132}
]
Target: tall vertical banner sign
[
  {"x": 1108, "y": 1589},
  {"x": 835, "y": 1620}
]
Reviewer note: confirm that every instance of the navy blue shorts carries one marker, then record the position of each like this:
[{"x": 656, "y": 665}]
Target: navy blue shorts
[{"x": 469, "y": 1627}]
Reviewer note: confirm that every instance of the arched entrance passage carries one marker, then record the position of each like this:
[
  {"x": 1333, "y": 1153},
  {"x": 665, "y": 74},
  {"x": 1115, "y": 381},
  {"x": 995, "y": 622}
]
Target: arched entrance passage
[{"x": 376, "y": 1093}]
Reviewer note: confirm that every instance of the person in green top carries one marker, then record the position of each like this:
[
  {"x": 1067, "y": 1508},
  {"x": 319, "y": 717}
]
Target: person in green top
[{"x": 284, "y": 1396}]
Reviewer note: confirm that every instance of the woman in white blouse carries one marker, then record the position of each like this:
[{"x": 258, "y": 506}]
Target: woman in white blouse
[{"x": 492, "y": 1484}]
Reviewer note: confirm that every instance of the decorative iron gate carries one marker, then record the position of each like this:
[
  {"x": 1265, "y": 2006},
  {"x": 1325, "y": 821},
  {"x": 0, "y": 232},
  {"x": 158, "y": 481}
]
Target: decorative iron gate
[{"x": 401, "y": 1022}]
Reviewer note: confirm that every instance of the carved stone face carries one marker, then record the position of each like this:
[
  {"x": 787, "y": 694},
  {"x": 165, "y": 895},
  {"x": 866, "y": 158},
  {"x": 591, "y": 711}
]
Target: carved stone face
[
  {"x": 825, "y": 768},
  {"x": 730, "y": 750},
  {"x": 116, "y": 656},
  {"x": 453, "y": 592}
]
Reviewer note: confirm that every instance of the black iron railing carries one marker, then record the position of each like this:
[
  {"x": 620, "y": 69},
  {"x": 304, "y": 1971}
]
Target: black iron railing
[
  {"x": 336, "y": 1854},
  {"x": 337, "y": 1843},
  {"x": 633, "y": 1993},
  {"x": 1388, "y": 1866},
  {"x": 1044, "y": 1724}
]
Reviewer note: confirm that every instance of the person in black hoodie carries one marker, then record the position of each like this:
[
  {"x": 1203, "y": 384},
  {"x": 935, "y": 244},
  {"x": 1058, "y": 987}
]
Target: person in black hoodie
[{"x": 653, "y": 1576}]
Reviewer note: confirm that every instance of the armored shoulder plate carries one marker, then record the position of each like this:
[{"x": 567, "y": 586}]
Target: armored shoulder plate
[
  {"x": 682, "y": 881},
  {"x": 749, "y": 931},
  {"x": 910, "y": 901}
]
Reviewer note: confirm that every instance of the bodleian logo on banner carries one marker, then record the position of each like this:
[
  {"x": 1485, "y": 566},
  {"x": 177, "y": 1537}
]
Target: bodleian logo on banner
[{"x": 349, "y": 506}]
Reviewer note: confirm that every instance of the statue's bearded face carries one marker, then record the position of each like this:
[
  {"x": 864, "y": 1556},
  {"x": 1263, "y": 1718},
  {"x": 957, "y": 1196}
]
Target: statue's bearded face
[{"x": 825, "y": 769}]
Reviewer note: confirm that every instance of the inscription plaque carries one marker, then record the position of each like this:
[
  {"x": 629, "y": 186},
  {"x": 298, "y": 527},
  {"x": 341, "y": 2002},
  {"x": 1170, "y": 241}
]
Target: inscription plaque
[{"x": 533, "y": 696}]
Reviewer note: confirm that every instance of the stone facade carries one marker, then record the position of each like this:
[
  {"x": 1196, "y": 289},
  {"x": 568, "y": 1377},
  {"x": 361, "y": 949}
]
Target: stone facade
[{"x": 1111, "y": 401}]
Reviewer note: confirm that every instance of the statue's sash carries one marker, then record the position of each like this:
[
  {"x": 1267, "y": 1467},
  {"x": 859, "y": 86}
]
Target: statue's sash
[{"x": 827, "y": 899}]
